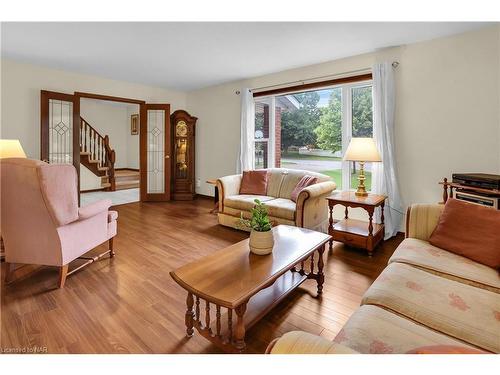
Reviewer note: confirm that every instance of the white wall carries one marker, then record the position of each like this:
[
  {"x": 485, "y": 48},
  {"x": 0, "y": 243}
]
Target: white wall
[
  {"x": 132, "y": 140},
  {"x": 21, "y": 84},
  {"x": 447, "y": 117}
]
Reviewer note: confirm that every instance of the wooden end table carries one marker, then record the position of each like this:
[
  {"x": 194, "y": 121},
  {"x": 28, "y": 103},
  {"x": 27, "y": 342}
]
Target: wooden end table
[
  {"x": 357, "y": 233},
  {"x": 216, "y": 196},
  {"x": 246, "y": 285}
]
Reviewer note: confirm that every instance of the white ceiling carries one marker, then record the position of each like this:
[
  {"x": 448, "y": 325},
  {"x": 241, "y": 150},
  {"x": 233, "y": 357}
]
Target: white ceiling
[{"x": 187, "y": 56}]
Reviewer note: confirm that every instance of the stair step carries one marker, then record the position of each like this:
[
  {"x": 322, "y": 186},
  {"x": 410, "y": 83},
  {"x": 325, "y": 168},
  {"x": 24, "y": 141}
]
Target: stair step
[
  {"x": 84, "y": 153},
  {"x": 102, "y": 169},
  {"x": 105, "y": 185},
  {"x": 122, "y": 185}
]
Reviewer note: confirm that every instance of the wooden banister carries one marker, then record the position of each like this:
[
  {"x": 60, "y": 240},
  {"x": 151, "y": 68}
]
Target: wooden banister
[{"x": 92, "y": 142}]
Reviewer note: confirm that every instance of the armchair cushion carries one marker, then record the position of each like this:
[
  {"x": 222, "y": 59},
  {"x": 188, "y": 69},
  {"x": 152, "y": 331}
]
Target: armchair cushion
[
  {"x": 469, "y": 230},
  {"x": 58, "y": 183},
  {"x": 93, "y": 209}
]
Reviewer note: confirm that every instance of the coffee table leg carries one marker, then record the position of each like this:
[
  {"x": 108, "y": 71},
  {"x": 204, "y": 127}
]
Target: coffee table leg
[
  {"x": 321, "y": 276},
  {"x": 189, "y": 315},
  {"x": 330, "y": 225},
  {"x": 239, "y": 332}
]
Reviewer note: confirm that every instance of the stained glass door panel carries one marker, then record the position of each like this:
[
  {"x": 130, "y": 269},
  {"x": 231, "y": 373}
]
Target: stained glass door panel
[
  {"x": 155, "y": 152},
  {"x": 60, "y": 124}
]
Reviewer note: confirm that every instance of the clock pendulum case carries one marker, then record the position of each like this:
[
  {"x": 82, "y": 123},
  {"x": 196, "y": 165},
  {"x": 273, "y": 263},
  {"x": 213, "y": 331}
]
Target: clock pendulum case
[{"x": 183, "y": 146}]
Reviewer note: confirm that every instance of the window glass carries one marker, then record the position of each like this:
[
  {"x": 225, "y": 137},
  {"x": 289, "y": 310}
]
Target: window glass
[{"x": 310, "y": 129}]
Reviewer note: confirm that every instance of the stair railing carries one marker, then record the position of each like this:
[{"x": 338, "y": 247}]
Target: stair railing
[{"x": 98, "y": 147}]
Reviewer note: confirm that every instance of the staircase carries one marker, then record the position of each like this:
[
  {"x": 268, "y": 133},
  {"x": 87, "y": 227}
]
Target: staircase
[
  {"x": 97, "y": 155},
  {"x": 126, "y": 179}
]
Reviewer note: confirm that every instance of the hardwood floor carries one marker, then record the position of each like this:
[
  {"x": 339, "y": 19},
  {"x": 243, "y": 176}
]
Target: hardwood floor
[{"x": 130, "y": 304}]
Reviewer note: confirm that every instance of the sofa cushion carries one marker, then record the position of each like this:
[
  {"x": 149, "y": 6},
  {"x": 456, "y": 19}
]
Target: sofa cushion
[
  {"x": 444, "y": 349},
  {"x": 458, "y": 310},
  {"x": 244, "y": 202},
  {"x": 280, "y": 207},
  {"x": 374, "y": 330},
  {"x": 431, "y": 258},
  {"x": 254, "y": 182},
  {"x": 304, "y": 182},
  {"x": 296, "y": 342},
  {"x": 469, "y": 230}
]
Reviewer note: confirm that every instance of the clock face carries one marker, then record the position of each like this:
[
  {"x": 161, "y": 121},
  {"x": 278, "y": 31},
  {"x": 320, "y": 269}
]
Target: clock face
[{"x": 181, "y": 129}]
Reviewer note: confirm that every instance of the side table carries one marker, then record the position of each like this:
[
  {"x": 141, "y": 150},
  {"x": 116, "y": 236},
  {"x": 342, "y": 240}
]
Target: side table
[
  {"x": 357, "y": 233},
  {"x": 216, "y": 196}
]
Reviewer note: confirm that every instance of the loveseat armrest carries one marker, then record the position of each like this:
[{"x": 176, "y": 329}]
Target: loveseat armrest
[
  {"x": 93, "y": 209},
  {"x": 311, "y": 206},
  {"x": 227, "y": 186},
  {"x": 297, "y": 342},
  {"x": 421, "y": 219}
]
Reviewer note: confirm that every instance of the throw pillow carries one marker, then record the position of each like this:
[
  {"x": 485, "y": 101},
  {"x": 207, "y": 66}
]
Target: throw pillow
[
  {"x": 254, "y": 182},
  {"x": 304, "y": 182},
  {"x": 469, "y": 230}
]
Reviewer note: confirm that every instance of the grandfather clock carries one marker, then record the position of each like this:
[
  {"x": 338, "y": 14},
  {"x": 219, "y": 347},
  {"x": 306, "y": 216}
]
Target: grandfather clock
[{"x": 183, "y": 147}]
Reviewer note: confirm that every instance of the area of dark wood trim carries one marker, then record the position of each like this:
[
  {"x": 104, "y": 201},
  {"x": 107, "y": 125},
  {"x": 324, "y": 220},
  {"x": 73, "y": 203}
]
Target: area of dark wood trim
[
  {"x": 89, "y": 95},
  {"x": 127, "y": 169},
  {"x": 314, "y": 85}
]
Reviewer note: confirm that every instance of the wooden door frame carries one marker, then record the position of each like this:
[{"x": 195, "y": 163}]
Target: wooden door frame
[
  {"x": 44, "y": 126},
  {"x": 143, "y": 153}
]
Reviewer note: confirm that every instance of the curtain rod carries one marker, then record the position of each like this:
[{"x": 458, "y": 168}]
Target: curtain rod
[{"x": 394, "y": 64}]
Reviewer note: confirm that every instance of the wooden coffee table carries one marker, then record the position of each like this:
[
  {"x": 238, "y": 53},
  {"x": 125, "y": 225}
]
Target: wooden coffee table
[{"x": 234, "y": 280}]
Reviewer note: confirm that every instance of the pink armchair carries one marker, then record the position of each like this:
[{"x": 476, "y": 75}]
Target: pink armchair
[{"x": 40, "y": 219}]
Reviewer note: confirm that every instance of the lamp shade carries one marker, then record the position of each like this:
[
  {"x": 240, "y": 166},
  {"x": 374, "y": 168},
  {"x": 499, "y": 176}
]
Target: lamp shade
[
  {"x": 11, "y": 148},
  {"x": 362, "y": 149}
]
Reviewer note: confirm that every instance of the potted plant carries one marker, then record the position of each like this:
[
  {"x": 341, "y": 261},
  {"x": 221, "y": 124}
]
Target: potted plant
[{"x": 261, "y": 234}]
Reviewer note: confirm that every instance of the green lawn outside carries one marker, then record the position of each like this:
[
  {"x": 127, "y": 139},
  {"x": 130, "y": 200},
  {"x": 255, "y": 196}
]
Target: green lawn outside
[
  {"x": 336, "y": 175},
  {"x": 296, "y": 155}
]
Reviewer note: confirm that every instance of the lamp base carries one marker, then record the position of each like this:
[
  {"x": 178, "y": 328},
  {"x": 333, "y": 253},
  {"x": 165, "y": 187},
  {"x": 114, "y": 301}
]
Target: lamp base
[{"x": 361, "y": 190}]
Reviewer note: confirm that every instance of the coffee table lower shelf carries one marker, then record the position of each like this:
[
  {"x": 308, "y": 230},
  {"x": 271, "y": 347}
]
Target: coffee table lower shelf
[{"x": 256, "y": 308}]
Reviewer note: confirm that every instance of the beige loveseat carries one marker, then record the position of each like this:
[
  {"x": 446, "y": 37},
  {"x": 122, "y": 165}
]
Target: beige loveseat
[
  {"x": 310, "y": 211},
  {"x": 425, "y": 296}
]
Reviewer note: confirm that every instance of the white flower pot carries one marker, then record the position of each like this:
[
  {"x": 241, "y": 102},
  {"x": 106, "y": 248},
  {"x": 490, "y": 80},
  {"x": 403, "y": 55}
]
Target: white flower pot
[{"x": 261, "y": 243}]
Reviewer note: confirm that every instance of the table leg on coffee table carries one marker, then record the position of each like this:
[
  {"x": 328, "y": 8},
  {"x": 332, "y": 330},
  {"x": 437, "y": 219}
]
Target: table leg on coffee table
[
  {"x": 321, "y": 276},
  {"x": 189, "y": 315},
  {"x": 239, "y": 332}
]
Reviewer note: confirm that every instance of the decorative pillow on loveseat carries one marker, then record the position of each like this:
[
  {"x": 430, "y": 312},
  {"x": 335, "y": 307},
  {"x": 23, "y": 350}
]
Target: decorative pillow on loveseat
[
  {"x": 469, "y": 230},
  {"x": 303, "y": 183},
  {"x": 254, "y": 182}
]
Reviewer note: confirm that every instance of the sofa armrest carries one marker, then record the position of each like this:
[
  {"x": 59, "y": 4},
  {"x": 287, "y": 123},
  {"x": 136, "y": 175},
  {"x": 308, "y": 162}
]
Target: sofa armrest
[
  {"x": 93, "y": 209},
  {"x": 297, "y": 342},
  {"x": 227, "y": 186},
  {"x": 311, "y": 206},
  {"x": 421, "y": 219}
]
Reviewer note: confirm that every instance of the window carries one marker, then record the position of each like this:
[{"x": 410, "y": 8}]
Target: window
[{"x": 310, "y": 130}]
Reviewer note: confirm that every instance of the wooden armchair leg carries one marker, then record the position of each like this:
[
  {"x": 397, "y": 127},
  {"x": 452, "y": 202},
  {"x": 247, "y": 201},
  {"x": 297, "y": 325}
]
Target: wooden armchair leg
[
  {"x": 111, "y": 249},
  {"x": 63, "y": 272}
]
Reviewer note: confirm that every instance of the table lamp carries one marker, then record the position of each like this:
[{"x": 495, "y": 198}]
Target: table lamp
[
  {"x": 362, "y": 150},
  {"x": 11, "y": 148}
]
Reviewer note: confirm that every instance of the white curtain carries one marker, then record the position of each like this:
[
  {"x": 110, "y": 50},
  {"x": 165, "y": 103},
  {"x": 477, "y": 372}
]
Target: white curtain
[
  {"x": 247, "y": 146},
  {"x": 384, "y": 179}
]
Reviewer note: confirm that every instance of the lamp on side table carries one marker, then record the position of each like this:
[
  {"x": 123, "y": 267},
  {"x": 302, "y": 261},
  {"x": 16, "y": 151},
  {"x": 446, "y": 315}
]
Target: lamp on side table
[
  {"x": 9, "y": 148},
  {"x": 362, "y": 150}
]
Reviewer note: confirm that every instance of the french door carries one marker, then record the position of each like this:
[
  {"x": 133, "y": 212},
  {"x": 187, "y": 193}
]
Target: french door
[
  {"x": 155, "y": 152},
  {"x": 60, "y": 128}
]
